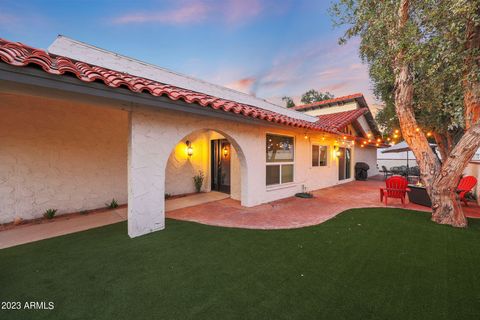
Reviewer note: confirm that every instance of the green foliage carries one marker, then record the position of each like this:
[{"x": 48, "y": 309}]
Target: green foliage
[
  {"x": 167, "y": 196},
  {"x": 113, "y": 204},
  {"x": 288, "y": 102},
  {"x": 50, "y": 213},
  {"x": 313, "y": 95},
  {"x": 198, "y": 180},
  {"x": 433, "y": 45}
]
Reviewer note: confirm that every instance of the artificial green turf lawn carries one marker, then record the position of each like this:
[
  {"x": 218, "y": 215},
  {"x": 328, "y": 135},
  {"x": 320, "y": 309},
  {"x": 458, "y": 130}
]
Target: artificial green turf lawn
[{"x": 363, "y": 264}]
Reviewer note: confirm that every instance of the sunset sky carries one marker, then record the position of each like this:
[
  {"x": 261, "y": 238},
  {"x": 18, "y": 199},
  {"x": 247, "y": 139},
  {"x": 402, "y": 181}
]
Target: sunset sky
[{"x": 267, "y": 48}]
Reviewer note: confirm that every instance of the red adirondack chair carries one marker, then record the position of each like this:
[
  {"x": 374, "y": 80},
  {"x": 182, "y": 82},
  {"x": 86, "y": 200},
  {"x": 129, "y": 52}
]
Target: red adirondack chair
[
  {"x": 465, "y": 186},
  {"x": 396, "y": 187}
]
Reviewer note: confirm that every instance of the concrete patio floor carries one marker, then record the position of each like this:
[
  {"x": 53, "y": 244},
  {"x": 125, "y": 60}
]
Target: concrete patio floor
[{"x": 217, "y": 209}]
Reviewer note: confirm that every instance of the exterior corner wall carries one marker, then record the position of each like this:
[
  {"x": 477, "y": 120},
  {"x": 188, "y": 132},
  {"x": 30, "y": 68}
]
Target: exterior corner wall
[{"x": 369, "y": 156}]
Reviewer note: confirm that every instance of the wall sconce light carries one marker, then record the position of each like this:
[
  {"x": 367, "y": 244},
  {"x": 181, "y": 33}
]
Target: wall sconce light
[
  {"x": 337, "y": 151},
  {"x": 189, "y": 148},
  {"x": 225, "y": 151}
]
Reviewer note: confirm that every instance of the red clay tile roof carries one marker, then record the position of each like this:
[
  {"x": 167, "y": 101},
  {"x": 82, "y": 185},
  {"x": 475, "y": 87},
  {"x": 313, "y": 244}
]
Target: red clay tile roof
[
  {"x": 340, "y": 119},
  {"x": 329, "y": 101},
  {"x": 20, "y": 55}
]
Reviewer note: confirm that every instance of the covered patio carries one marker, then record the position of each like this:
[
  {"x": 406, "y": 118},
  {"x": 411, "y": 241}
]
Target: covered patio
[{"x": 216, "y": 209}]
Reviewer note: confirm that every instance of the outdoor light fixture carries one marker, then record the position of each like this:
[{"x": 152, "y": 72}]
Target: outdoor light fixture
[
  {"x": 189, "y": 148},
  {"x": 225, "y": 151},
  {"x": 338, "y": 153}
]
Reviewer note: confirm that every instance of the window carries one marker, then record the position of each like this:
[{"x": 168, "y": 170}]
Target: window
[
  {"x": 279, "y": 158},
  {"x": 319, "y": 156}
]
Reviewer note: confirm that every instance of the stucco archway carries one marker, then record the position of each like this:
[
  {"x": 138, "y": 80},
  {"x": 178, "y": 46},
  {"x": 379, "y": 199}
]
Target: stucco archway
[
  {"x": 153, "y": 135},
  {"x": 180, "y": 167}
]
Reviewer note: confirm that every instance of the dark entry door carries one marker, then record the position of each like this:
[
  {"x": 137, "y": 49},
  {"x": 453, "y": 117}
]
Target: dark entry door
[
  {"x": 344, "y": 164},
  {"x": 220, "y": 155}
]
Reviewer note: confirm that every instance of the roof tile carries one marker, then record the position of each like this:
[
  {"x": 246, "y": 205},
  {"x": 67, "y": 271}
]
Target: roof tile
[{"x": 17, "y": 54}]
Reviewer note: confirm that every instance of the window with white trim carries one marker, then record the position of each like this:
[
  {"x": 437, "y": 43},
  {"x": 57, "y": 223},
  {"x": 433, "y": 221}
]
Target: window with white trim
[
  {"x": 280, "y": 159},
  {"x": 319, "y": 155}
]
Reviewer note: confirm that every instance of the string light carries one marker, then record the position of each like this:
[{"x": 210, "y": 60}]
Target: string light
[
  {"x": 378, "y": 140},
  {"x": 305, "y": 136},
  {"x": 388, "y": 139},
  {"x": 418, "y": 129},
  {"x": 395, "y": 136},
  {"x": 397, "y": 131},
  {"x": 429, "y": 134},
  {"x": 369, "y": 135}
]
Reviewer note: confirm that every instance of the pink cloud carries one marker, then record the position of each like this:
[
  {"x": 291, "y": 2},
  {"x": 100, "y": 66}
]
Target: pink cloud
[
  {"x": 190, "y": 13},
  {"x": 237, "y": 11},
  {"x": 231, "y": 12},
  {"x": 322, "y": 65},
  {"x": 243, "y": 85}
]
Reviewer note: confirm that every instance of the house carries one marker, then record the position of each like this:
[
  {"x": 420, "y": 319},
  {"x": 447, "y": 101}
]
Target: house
[{"x": 81, "y": 125}]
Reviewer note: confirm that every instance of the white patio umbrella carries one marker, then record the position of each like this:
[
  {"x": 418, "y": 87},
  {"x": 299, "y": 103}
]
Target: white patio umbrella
[{"x": 403, "y": 147}]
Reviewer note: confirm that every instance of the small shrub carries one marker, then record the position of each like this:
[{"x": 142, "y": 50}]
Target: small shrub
[
  {"x": 50, "y": 213},
  {"x": 84, "y": 212},
  {"x": 113, "y": 204},
  {"x": 198, "y": 180},
  {"x": 167, "y": 196}
]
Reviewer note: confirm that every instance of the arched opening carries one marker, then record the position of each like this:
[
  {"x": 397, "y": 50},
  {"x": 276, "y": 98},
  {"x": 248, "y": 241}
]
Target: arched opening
[{"x": 206, "y": 165}]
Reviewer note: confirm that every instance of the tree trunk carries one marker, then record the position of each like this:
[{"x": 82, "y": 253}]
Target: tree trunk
[
  {"x": 442, "y": 146},
  {"x": 446, "y": 207},
  {"x": 426, "y": 159}
]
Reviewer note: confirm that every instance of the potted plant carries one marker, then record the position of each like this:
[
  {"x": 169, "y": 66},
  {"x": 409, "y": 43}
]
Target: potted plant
[{"x": 198, "y": 181}]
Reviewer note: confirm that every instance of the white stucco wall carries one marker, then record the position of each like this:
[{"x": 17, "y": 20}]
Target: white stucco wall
[
  {"x": 154, "y": 133},
  {"x": 333, "y": 109},
  {"x": 60, "y": 155},
  {"x": 181, "y": 168},
  {"x": 72, "y": 156},
  {"x": 369, "y": 156}
]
